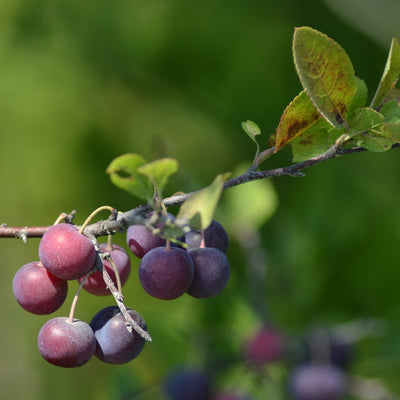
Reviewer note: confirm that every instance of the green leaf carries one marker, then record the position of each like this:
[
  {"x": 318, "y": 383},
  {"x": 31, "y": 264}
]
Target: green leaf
[
  {"x": 159, "y": 171},
  {"x": 363, "y": 120},
  {"x": 359, "y": 99},
  {"x": 380, "y": 139},
  {"x": 252, "y": 129},
  {"x": 391, "y": 131},
  {"x": 298, "y": 116},
  {"x": 325, "y": 72},
  {"x": 391, "y": 111},
  {"x": 315, "y": 141},
  {"x": 124, "y": 174},
  {"x": 198, "y": 210},
  {"x": 375, "y": 143},
  {"x": 262, "y": 196},
  {"x": 390, "y": 74}
]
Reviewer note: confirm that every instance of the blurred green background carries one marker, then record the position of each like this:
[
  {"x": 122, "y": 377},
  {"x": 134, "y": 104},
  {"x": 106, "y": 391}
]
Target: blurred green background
[{"x": 83, "y": 82}]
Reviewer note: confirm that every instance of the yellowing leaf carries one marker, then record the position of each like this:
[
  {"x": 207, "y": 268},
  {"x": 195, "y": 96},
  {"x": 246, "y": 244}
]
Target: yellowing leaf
[
  {"x": 298, "y": 116},
  {"x": 325, "y": 72}
]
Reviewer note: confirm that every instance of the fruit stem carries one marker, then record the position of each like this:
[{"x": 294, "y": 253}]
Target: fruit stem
[
  {"x": 60, "y": 218},
  {"x": 117, "y": 277},
  {"x": 75, "y": 299},
  {"x": 109, "y": 246},
  {"x": 93, "y": 214},
  {"x": 203, "y": 239}
]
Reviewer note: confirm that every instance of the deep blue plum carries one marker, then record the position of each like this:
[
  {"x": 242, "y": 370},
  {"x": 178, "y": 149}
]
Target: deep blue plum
[
  {"x": 37, "y": 290},
  {"x": 188, "y": 384},
  {"x": 211, "y": 272},
  {"x": 166, "y": 273},
  {"x": 214, "y": 236},
  {"x": 66, "y": 253},
  {"x": 317, "y": 382},
  {"x": 338, "y": 351},
  {"x": 115, "y": 344},
  {"x": 95, "y": 284},
  {"x": 66, "y": 344}
]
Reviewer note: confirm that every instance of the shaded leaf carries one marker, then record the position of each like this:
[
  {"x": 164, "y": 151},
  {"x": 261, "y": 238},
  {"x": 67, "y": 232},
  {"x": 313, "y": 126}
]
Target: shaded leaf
[
  {"x": 375, "y": 143},
  {"x": 364, "y": 119},
  {"x": 391, "y": 131},
  {"x": 315, "y": 141},
  {"x": 390, "y": 74},
  {"x": 298, "y": 116},
  {"x": 198, "y": 210},
  {"x": 359, "y": 99},
  {"x": 124, "y": 174},
  {"x": 325, "y": 72},
  {"x": 159, "y": 171},
  {"x": 391, "y": 111}
]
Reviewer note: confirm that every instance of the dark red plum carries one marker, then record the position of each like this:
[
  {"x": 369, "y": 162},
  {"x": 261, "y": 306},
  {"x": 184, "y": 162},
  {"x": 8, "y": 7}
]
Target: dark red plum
[
  {"x": 166, "y": 273},
  {"x": 267, "y": 345},
  {"x": 95, "y": 284},
  {"x": 66, "y": 344},
  {"x": 37, "y": 290},
  {"x": 66, "y": 253},
  {"x": 115, "y": 343},
  {"x": 140, "y": 240},
  {"x": 211, "y": 272},
  {"x": 214, "y": 236}
]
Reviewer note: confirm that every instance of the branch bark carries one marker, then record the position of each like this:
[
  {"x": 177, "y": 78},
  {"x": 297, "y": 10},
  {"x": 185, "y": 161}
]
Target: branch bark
[{"x": 135, "y": 216}]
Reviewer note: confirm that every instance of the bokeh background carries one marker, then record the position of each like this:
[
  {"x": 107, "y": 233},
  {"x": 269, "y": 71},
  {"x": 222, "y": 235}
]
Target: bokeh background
[{"x": 83, "y": 82}]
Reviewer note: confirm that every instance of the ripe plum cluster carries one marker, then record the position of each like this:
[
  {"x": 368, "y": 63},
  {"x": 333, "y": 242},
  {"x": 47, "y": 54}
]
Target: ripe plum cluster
[
  {"x": 41, "y": 287},
  {"x": 197, "y": 265},
  {"x": 199, "y": 268}
]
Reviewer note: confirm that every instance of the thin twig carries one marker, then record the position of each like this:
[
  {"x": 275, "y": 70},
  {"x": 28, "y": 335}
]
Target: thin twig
[
  {"x": 135, "y": 216},
  {"x": 130, "y": 322}
]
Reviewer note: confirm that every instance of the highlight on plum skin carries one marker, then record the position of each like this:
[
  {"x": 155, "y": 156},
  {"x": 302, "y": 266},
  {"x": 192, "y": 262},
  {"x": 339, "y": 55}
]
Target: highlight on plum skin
[
  {"x": 211, "y": 272},
  {"x": 115, "y": 344},
  {"x": 95, "y": 284},
  {"x": 166, "y": 273},
  {"x": 66, "y": 253},
  {"x": 37, "y": 290},
  {"x": 141, "y": 240},
  {"x": 214, "y": 236},
  {"x": 66, "y": 343}
]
